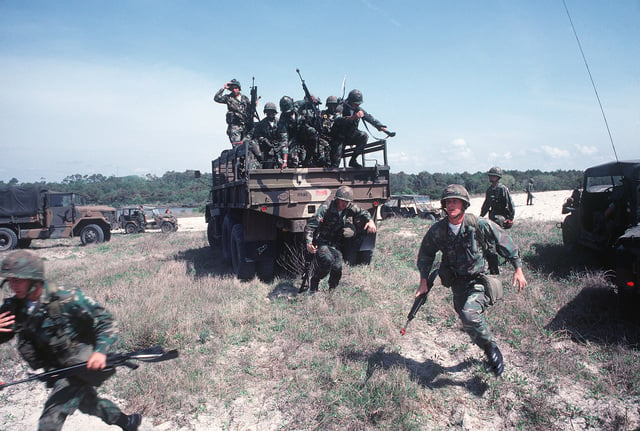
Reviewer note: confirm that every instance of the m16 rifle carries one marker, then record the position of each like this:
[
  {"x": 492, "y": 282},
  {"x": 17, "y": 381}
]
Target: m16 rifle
[
  {"x": 253, "y": 112},
  {"x": 152, "y": 354},
  {"x": 419, "y": 301},
  {"x": 316, "y": 121}
]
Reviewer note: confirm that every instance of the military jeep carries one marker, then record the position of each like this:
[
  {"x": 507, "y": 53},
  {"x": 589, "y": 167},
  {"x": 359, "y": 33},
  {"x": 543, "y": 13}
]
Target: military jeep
[
  {"x": 604, "y": 217},
  {"x": 136, "y": 219},
  {"x": 411, "y": 206}
]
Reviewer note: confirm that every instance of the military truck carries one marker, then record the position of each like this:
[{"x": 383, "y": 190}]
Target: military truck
[
  {"x": 604, "y": 216},
  {"x": 257, "y": 216},
  {"x": 34, "y": 212},
  {"x": 134, "y": 219}
]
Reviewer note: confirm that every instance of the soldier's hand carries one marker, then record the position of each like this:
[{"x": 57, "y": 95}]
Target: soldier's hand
[
  {"x": 312, "y": 248},
  {"x": 422, "y": 288},
  {"x": 519, "y": 280},
  {"x": 6, "y": 321},
  {"x": 370, "y": 226},
  {"x": 97, "y": 361}
]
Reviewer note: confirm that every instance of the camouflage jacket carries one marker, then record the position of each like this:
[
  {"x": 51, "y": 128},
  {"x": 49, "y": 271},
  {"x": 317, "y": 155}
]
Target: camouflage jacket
[
  {"x": 55, "y": 330},
  {"x": 498, "y": 201},
  {"x": 462, "y": 253},
  {"x": 289, "y": 126},
  {"x": 347, "y": 127},
  {"x": 265, "y": 133},
  {"x": 327, "y": 224},
  {"x": 329, "y": 119},
  {"x": 238, "y": 110}
]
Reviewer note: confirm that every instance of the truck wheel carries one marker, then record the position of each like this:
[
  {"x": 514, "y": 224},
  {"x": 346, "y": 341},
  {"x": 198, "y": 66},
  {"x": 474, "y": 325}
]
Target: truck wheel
[
  {"x": 24, "y": 242},
  {"x": 166, "y": 227},
  {"x": 8, "y": 239},
  {"x": 244, "y": 270},
  {"x": 570, "y": 230},
  {"x": 227, "y": 226},
  {"x": 211, "y": 233},
  {"x": 130, "y": 228},
  {"x": 90, "y": 234}
]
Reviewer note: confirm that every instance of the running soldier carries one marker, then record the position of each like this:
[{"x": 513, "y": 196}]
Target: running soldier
[
  {"x": 237, "y": 110},
  {"x": 325, "y": 231},
  {"x": 57, "y": 328},
  {"x": 347, "y": 132},
  {"x": 462, "y": 266}
]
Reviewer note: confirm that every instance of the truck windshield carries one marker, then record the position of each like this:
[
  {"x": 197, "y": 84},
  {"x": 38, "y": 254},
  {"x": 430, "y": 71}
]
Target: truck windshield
[{"x": 602, "y": 184}]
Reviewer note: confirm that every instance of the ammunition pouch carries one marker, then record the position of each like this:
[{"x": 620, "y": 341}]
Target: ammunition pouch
[
  {"x": 447, "y": 276},
  {"x": 492, "y": 288}
]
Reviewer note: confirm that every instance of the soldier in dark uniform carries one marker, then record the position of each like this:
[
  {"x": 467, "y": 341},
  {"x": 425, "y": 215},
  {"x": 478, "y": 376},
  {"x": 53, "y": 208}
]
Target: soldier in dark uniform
[
  {"x": 325, "y": 231},
  {"x": 347, "y": 132},
  {"x": 498, "y": 202},
  {"x": 288, "y": 126},
  {"x": 530, "y": 192},
  {"x": 238, "y": 110},
  {"x": 462, "y": 265},
  {"x": 56, "y": 328},
  {"x": 265, "y": 136},
  {"x": 314, "y": 147},
  {"x": 329, "y": 117}
]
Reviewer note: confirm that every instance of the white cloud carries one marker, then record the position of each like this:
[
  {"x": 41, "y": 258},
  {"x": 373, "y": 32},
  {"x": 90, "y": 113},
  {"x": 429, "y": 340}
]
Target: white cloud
[
  {"x": 555, "y": 152},
  {"x": 586, "y": 150}
]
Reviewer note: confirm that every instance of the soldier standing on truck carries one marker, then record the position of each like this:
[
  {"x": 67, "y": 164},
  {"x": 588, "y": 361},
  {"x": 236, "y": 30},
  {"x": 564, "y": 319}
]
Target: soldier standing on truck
[
  {"x": 59, "y": 328},
  {"x": 237, "y": 110},
  {"x": 288, "y": 134},
  {"x": 265, "y": 136},
  {"x": 326, "y": 230},
  {"x": 347, "y": 132},
  {"x": 329, "y": 117}
]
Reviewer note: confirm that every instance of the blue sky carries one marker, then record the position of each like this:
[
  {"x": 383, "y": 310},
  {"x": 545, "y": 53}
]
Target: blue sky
[{"x": 126, "y": 87}]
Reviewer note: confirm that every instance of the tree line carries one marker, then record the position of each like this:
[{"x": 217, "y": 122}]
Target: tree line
[{"x": 182, "y": 189}]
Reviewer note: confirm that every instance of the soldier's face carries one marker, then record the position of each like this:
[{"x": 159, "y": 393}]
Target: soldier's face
[
  {"x": 20, "y": 286},
  {"x": 341, "y": 205},
  {"x": 493, "y": 179},
  {"x": 455, "y": 207},
  {"x": 235, "y": 89}
]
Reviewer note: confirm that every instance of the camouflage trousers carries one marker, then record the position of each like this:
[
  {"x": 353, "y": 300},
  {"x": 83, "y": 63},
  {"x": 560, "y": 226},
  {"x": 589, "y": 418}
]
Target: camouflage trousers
[
  {"x": 69, "y": 395},
  {"x": 328, "y": 261},
  {"x": 235, "y": 132},
  {"x": 470, "y": 302}
]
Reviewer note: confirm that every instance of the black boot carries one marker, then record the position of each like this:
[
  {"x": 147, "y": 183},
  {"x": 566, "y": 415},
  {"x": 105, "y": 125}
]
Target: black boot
[
  {"x": 313, "y": 288},
  {"x": 334, "y": 279},
  {"x": 494, "y": 357},
  {"x": 129, "y": 422},
  {"x": 353, "y": 163}
]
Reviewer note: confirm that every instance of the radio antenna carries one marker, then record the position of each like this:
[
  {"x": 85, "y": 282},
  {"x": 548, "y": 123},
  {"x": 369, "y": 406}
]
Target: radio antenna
[{"x": 591, "y": 78}]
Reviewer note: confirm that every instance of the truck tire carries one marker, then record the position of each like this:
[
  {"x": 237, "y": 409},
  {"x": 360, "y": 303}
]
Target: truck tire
[
  {"x": 91, "y": 234},
  {"x": 130, "y": 228},
  {"x": 166, "y": 227},
  {"x": 211, "y": 234},
  {"x": 227, "y": 226},
  {"x": 8, "y": 239},
  {"x": 570, "y": 230},
  {"x": 244, "y": 270}
]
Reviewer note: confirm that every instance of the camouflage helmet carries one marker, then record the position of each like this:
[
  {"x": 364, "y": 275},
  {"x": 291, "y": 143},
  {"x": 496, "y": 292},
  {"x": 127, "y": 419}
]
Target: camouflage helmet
[
  {"x": 236, "y": 83},
  {"x": 344, "y": 193},
  {"x": 23, "y": 264},
  {"x": 331, "y": 100},
  {"x": 455, "y": 191},
  {"x": 495, "y": 171},
  {"x": 286, "y": 104},
  {"x": 270, "y": 106},
  {"x": 355, "y": 96}
]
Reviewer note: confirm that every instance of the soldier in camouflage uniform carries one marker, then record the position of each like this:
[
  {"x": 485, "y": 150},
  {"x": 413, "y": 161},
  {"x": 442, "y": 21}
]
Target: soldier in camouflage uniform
[
  {"x": 329, "y": 117},
  {"x": 288, "y": 126},
  {"x": 462, "y": 264},
  {"x": 57, "y": 328},
  {"x": 265, "y": 136},
  {"x": 347, "y": 132},
  {"x": 237, "y": 110},
  {"x": 498, "y": 202},
  {"x": 325, "y": 231}
]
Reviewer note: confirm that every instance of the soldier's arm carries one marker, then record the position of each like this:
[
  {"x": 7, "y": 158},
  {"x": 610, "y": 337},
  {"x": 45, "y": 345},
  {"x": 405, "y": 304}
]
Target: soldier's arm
[
  {"x": 511, "y": 208},
  {"x": 375, "y": 123},
  {"x": 370, "y": 226},
  {"x": 103, "y": 325},
  {"x": 219, "y": 97},
  {"x": 505, "y": 246}
]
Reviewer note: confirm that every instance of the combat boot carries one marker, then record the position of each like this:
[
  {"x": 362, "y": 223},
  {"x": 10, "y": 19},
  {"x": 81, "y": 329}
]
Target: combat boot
[
  {"x": 494, "y": 357},
  {"x": 334, "y": 279},
  {"x": 353, "y": 163},
  {"x": 129, "y": 422},
  {"x": 313, "y": 287}
]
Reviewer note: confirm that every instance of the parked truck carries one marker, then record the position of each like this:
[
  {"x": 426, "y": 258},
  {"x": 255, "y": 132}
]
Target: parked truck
[
  {"x": 604, "y": 216},
  {"x": 34, "y": 212},
  {"x": 257, "y": 216}
]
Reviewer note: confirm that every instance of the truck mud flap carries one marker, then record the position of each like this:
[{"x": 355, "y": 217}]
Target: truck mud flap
[{"x": 257, "y": 251}]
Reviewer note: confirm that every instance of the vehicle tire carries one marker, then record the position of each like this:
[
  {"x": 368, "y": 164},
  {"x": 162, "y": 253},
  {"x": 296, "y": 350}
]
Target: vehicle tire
[
  {"x": 430, "y": 217},
  {"x": 364, "y": 257},
  {"x": 24, "y": 242},
  {"x": 91, "y": 234},
  {"x": 266, "y": 269},
  {"x": 211, "y": 233},
  {"x": 570, "y": 230},
  {"x": 244, "y": 270},
  {"x": 8, "y": 239},
  {"x": 166, "y": 227},
  {"x": 227, "y": 226},
  {"x": 130, "y": 228}
]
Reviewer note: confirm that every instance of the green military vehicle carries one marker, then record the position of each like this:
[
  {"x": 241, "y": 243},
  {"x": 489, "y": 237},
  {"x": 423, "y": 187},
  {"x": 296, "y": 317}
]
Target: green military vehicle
[
  {"x": 34, "y": 212},
  {"x": 257, "y": 216},
  {"x": 605, "y": 217},
  {"x": 134, "y": 220}
]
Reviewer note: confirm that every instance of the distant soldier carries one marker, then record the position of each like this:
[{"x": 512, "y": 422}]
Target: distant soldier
[
  {"x": 325, "y": 231},
  {"x": 498, "y": 202},
  {"x": 329, "y": 117},
  {"x": 347, "y": 132},
  {"x": 57, "y": 328},
  {"x": 238, "y": 110},
  {"x": 530, "y": 192},
  {"x": 458, "y": 238},
  {"x": 265, "y": 134},
  {"x": 141, "y": 219}
]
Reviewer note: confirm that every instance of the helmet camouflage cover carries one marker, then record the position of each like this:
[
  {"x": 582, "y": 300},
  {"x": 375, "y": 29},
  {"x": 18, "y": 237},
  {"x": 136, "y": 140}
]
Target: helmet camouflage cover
[
  {"x": 355, "y": 96},
  {"x": 455, "y": 191},
  {"x": 22, "y": 264},
  {"x": 286, "y": 104},
  {"x": 236, "y": 83},
  {"x": 495, "y": 171},
  {"x": 331, "y": 100},
  {"x": 344, "y": 193},
  {"x": 270, "y": 106}
]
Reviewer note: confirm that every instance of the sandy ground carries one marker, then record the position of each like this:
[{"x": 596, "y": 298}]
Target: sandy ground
[{"x": 21, "y": 405}]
